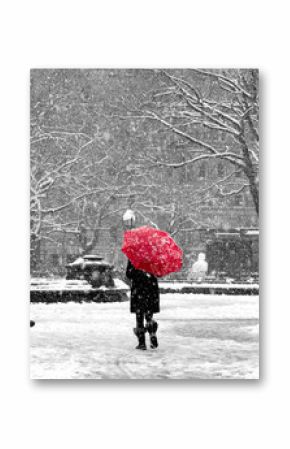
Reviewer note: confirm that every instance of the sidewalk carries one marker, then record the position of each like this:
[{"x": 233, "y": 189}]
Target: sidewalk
[{"x": 201, "y": 337}]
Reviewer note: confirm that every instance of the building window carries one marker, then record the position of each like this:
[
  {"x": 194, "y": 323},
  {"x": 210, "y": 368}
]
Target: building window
[
  {"x": 197, "y": 134},
  {"x": 202, "y": 171},
  {"x": 248, "y": 199},
  {"x": 238, "y": 199},
  {"x": 220, "y": 170},
  {"x": 223, "y": 137},
  {"x": 54, "y": 259}
]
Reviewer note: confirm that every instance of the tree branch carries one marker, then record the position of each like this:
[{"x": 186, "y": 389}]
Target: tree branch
[{"x": 228, "y": 81}]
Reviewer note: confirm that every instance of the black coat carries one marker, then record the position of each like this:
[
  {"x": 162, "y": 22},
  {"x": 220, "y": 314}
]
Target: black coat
[{"x": 144, "y": 291}]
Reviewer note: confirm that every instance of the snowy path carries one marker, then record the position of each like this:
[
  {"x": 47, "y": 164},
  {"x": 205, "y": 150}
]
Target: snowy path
[{"x": 201, "y": 337}]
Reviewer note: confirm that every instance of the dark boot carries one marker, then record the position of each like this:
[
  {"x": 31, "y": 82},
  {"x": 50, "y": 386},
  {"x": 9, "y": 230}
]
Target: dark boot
[
  {"x": 152, "y": 327},
  {"x": 140, "y": 334}
]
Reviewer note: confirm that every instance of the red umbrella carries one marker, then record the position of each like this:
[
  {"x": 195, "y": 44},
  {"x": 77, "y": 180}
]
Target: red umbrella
[{"x": 152, "y": 250}]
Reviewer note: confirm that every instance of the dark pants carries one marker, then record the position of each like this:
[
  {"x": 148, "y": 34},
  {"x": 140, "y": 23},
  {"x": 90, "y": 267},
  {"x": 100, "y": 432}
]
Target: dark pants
[{"x": 140, "y": 318}]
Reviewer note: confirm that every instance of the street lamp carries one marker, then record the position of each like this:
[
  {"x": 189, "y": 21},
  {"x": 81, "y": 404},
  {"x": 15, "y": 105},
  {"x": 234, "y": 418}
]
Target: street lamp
[{"x": 129, "y": 219}]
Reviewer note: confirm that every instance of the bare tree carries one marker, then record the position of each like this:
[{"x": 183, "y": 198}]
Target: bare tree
[
  {"x": 78, "y": 193},
  {"x": 88, "y": 163},
  {"x": 223, "y": 103}
]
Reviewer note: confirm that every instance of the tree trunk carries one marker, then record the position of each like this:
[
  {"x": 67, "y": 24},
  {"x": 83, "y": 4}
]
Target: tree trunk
[
  {"x": 251, "y": 174},
  {"x": 34, "y": 253},
  {"x": 254, "y": 191}
]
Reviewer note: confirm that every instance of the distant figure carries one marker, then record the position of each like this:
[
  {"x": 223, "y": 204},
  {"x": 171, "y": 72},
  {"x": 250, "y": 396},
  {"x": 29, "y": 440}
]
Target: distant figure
[
  {"x": 32, "y": 323},
  {"x": 199, "y": 269}
]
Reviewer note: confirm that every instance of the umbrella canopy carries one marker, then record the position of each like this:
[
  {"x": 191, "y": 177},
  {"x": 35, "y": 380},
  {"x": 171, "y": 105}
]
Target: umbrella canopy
[{"x": 152, "y": 250}]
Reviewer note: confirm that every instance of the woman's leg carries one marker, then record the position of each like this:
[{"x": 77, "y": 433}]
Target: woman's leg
[
  {"x": 139, "y": 319},
  {"x": 151, "y": 326},
  {"x": 140, "y": 330},
  {"x": 148, "y": 316}
]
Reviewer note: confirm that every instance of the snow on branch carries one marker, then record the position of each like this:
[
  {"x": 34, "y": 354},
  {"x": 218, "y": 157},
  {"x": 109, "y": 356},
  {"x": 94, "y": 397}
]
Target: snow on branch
[
  {"x": 232, "y": 192},
  {"x": 231, "y": 157},
  {"x": 233, "y": 85},
  {"x": 200, "y": 105}
]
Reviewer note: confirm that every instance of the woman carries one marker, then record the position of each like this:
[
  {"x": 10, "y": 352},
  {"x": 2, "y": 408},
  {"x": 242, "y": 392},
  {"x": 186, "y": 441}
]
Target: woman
[{"x": 144, "y": 303}]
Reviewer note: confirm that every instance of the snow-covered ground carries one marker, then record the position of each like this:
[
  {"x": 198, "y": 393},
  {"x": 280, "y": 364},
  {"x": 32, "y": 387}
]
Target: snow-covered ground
[{"x": 200, "y": 336}]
